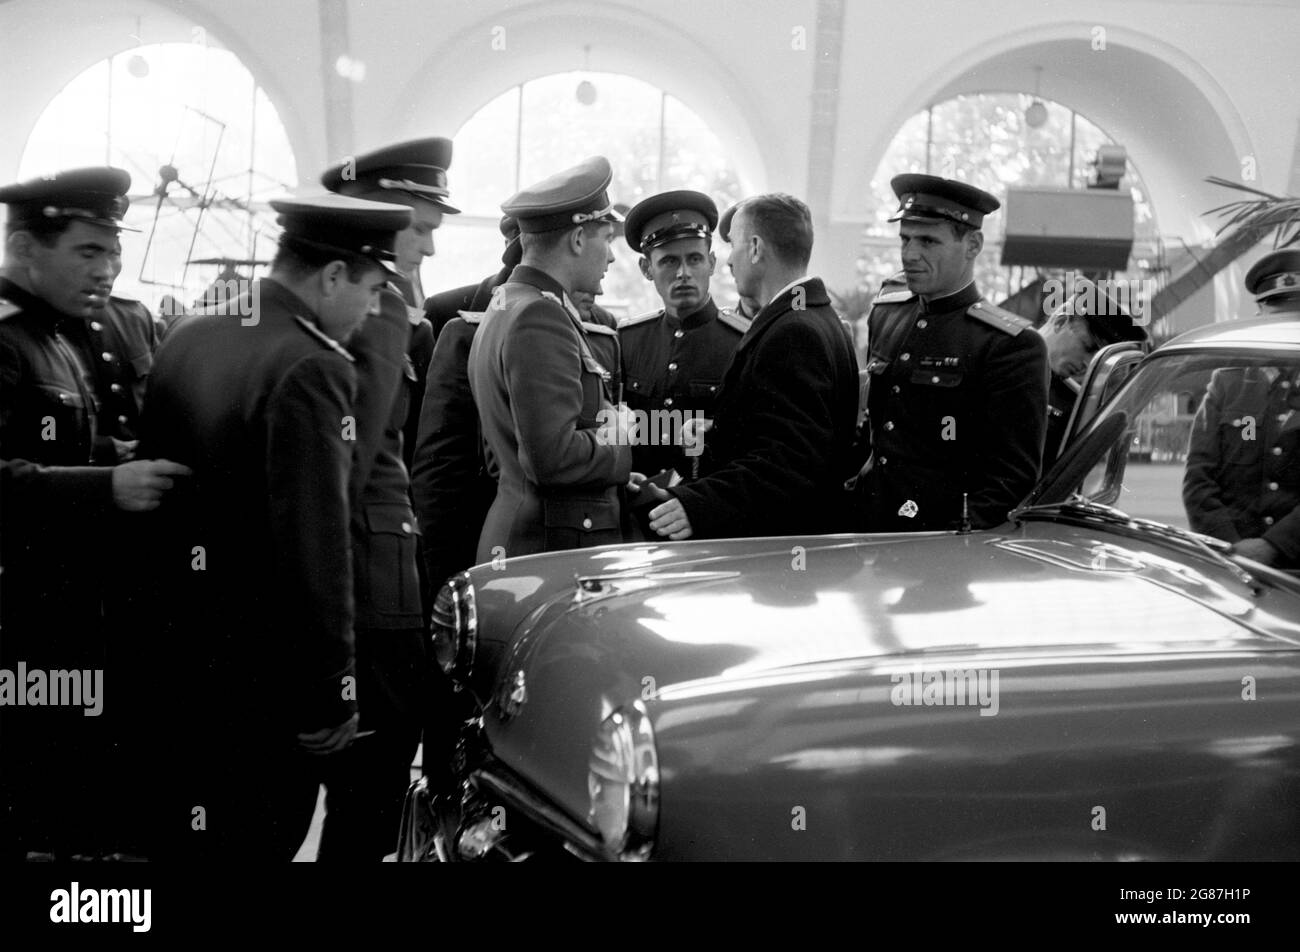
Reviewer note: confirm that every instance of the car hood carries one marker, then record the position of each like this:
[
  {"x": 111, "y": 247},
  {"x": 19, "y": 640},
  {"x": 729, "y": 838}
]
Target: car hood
[{"x": 566, "y": 639}]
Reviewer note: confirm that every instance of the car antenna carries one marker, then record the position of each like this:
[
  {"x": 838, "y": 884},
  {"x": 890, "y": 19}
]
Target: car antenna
[{"x": 964, "y": 528}]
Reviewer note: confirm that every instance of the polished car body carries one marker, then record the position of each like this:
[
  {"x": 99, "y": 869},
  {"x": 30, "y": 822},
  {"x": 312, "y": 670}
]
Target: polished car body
[{"x": 1079, "y": 683}]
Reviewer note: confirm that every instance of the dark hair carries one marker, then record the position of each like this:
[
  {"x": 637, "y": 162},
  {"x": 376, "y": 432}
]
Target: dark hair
[
  {"x": 783, "y": 222},
  {"x": 544, "y": 242},
  {"x": 45, "y": 230},
  {"x": 299, "y": 259},
  {"x": 961, "y": 229}
]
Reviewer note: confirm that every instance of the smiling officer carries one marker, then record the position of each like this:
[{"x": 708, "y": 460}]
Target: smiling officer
[
  {"x": 958, "y": 388},
  {"x": 674, "y": 358}
]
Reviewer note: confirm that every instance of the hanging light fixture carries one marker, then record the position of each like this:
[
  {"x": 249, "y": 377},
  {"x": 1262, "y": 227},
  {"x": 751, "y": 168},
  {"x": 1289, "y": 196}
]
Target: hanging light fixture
[
  {"x": 137, "y": 65},
  {"x": 1036, "y": 113},
  {"x": 586, "y": 91}
]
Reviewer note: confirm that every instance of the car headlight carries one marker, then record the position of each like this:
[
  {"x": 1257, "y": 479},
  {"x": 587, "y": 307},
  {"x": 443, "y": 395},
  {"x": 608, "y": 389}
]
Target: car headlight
[
  {"x": 454, "y": 626},
  {"x": 623, "y": 783}
]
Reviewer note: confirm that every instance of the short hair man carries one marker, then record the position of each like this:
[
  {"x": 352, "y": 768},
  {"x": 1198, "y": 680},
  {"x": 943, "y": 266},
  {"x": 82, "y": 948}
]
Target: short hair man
[
  {"x": 674, "y": 358},
  {"x": 957, "y": 398},
  {"x": 1242, "y": 482},
  {"x": 60, "y": 500},
  {"x": 780, "y": 447},
  {"x": 543, "y": 397},
  {"x": 263, "y": 627},
  {"x": 1084, "y": 324}
]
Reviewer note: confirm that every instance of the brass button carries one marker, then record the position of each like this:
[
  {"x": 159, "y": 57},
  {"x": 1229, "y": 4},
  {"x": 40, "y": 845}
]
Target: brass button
[
  {"x": 905, "y": 357},
  {"x": 894, "y": 389},
  {"x": 1272, "y": 487},
  {"x": 672, "y": 366},
  {"x": 63, "y": 398},
  {"x": 1268, "y": 520},
  {"x": 668, "y": 401},
  {"x": 923, "y": 323},
  {"x": 934, "y": 380},
  {"x": 883, "y": 461},
  {"x": 889, "y": 425},
  {"x": 96, "y": 326},
  {"x": 107, "y": 356},
  {"x": 406, "y": 527},
  {"x": 1277, "y": 451},
  {"x": 121, "y": 418},
  {"x": 679, "y": 333},
  {"x": 115, "y": 387},
  {"x": 586, "y": 523}
]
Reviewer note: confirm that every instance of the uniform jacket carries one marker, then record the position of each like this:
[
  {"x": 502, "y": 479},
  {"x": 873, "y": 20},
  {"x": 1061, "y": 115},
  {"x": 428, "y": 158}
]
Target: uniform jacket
[
  {"x": 675, "y": 364},
  {"x": 54, "y": 505},
  {"x": 258, "y": 412},
  {"x": 1243, "y": 461},
  {"x": 957, "y": 400},
  {"x": 540, "y": 391},
  {"x": 446, "y": 305},
  {"x": 780, "y": 448},
  {"x": 384, "y": 527},
  {"x": 449, "y": 480}
]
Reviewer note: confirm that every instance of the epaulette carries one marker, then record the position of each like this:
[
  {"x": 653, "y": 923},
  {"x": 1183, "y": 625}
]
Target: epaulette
[
  {"x": 599, "y": 328},
  {"x": 995, "y": 316},
  {"x": 737, "y": 322},
  {"x": 640, "y": 319},
  {"x": 893, "y": 290},
  {"x": 473, "y": 318},
  {"x": 324, "y": 338},
  {"x": 8, "y": 309}
]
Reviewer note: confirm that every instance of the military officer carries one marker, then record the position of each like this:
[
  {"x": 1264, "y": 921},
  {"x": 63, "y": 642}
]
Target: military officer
[
  {"x": 410, "y": 173},
  {"x": 557, "y": 449},
  {"x": 1242, "y": 482},
  {"x": 1084, "y": 324},
  {"x": 674, "y": 358},
  {"x": 62, "y": 518},
  {"x": 365, "y": 784},
  {"x": 957, "y": 397},
  {"x": 262, "y": 624}
]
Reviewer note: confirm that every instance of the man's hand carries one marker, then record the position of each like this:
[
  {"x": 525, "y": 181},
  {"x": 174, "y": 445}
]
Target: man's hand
[
  {"x": 125, "y": 449},
  {"x": 138, "y": 486},
  {"x": 670, "y": 519},
  {"x": 330, "y": 740},
  {"x": 1257, "y": 550}
]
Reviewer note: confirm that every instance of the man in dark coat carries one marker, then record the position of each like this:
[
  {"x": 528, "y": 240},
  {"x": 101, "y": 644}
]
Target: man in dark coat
[
  {"x": 780, "y": 448},
  {"x": 257, "y": 558},
  {"x": 957, "y": 397},
  {"x": 65, "y": 513},
  {"x": 1242, "y": 483},
  {"x": 552, "y": 437}
]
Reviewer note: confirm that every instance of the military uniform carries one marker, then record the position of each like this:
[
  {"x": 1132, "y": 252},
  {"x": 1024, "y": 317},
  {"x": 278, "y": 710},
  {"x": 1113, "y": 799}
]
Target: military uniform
[
  {"x": 264, "y": 630},
  {"x": 541, "y": 392},
  {"x": 957, "y": 391},
  {"x": 365, "y": 784},
  {"x": 1243, "y": 460},
  {"x": 61, "y": 551}
]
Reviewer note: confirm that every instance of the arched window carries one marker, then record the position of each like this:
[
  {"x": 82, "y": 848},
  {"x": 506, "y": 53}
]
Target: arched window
[
  {"x": 988, "y": 140},
  {"x": 653, "y": 141},
  {"x": 205, "y": 149}
]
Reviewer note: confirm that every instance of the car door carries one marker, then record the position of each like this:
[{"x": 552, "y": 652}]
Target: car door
[{"x": 1110, "y": 367}]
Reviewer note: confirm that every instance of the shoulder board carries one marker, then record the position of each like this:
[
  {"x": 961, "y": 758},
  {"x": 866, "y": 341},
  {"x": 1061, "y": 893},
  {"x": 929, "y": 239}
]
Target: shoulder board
[
  {"x": 995, "y": 316},
  {"x": 8, "y": 309},
  {"x": 595, "y": 328},
  {"x": 736, "y": 322},
  {"x": 893, "y": 290},
  {"x": 324, "y": 338},
  {"x": 640, "y": 319},
  {"x": 473, "y": 318}
]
